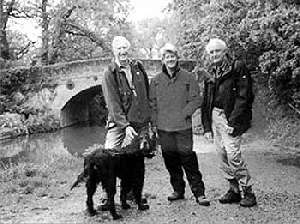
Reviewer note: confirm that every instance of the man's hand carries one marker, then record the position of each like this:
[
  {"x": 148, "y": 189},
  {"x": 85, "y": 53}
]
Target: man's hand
[
  {"x": 153, "y": 131},
  {"x": 208, "y": 136},
  {"x": 229, "y": 129},
  {"x": 130, "y": 134}
]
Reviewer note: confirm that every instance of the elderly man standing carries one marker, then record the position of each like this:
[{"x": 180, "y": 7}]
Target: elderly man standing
[
  {"x": 126, "y": 90},
  {"x": 226, "y": 115},
  {"x": 174, "y": 96}
]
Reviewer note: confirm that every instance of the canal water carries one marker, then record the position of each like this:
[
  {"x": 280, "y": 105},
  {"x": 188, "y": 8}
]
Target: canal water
[{"x": 70, "y": 141}]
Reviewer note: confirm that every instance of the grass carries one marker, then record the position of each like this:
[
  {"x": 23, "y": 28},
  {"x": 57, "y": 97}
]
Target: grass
[
  {"x": 283, "y": 126},
  {"x": 29, "y": 178},
  {"x": 285, "y": 131}
]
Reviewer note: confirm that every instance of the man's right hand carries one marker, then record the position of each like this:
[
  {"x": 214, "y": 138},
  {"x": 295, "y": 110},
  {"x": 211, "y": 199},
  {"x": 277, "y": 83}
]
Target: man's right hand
[
  {"x": 130, "y": 134},
  {"x": 208, "y": 136}
]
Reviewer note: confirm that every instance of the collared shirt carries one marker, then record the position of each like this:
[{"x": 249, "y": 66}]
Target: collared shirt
[{"x": 127, "y": 70}]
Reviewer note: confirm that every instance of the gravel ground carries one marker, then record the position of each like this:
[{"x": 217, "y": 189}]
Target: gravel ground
[{"x": 276, "y": 184}]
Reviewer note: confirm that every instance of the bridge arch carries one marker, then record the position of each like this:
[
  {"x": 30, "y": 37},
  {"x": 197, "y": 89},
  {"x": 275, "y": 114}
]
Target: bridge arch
[{"x": 88, "y": 105}]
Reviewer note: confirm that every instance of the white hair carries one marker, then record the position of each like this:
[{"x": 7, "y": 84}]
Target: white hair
[
  {"x": 168, "y": 47},
  {"x": 120, "y": 40},
  {"x": 215, "y": 43}
]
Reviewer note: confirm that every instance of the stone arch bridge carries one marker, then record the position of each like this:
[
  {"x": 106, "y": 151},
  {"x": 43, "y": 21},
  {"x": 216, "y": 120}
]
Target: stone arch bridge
[{"x": 67, "y": 88}]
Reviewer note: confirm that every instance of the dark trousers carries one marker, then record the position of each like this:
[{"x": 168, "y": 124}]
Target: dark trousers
[{"x": 178, "y": 154}]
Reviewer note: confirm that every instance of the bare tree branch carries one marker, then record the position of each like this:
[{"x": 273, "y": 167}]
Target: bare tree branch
[
  {"x": 82, "y": 31},
  {"x": 24, "y": 50},
  {"x": 16, "y": 13}
]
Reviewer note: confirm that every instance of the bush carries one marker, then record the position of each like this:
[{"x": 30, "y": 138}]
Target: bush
[{"x": 266, "y": 34}]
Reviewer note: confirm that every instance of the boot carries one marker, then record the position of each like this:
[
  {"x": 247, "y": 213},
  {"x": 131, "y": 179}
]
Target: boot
[
  {"x": 202, "y": 200},
  {"x": 175, "y": 196},
  {"x": 233, "y": 195},
  {"x": 249, "y": 198}
]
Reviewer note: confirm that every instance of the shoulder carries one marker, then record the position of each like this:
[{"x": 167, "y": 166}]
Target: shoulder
[
  {"x": 157, "y": 77},
  {"x": 187, "y": 75},
  {"x": 109, "y": 72},
  {"x": 239, "y": 66},
  {"x": 111, "y": 67}
]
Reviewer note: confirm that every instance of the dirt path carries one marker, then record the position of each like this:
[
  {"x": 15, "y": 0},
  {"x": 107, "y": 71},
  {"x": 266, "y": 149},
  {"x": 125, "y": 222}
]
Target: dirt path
[{"x": 276, "y": 177}]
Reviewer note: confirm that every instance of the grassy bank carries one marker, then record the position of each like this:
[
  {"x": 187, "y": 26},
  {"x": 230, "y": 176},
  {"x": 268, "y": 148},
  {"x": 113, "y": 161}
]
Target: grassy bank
[
  {"x": 27, "y": 180},
  {"x": 282, "y": 124}
]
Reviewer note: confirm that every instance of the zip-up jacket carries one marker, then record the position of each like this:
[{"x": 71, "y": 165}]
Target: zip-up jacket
[
  {"x": 174, "y": 100},
  {"x": 126, "y": 105},
  {"x": 233, "y": 91}
]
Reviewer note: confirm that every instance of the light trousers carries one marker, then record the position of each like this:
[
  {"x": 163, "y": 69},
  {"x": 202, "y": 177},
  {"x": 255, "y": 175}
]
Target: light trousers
[{"x": 232, "y": 163}]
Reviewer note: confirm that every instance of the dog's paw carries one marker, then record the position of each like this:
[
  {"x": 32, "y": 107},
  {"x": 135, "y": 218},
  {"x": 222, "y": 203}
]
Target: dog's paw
[
  {"x": 144, "y": 201},
  {"x": 91, "y": 212},
  {"x": 126, "y": 206},
  {"x": 117, "y": 216},
  {"x": 143, "y": 207}
]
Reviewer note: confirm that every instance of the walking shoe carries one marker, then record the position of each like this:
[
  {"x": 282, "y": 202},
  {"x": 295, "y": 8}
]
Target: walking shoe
[
  {"x": 175, "y": 196},
  {"x": 230, "y": 197},
  {"x": 202, "y": 200},
  {"x": 249, "y": 198},
  {"x": 104, "y": 205}
]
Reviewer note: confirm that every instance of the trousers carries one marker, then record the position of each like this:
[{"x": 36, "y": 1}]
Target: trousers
[
  {"x": 232, "y": 163},
  {"x": 179, "y": 157}
]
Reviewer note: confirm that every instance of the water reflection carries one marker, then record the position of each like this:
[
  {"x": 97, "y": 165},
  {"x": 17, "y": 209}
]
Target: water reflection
[
  {"x": 41, "y": 147},
  {"x": 77, "y": 138}
]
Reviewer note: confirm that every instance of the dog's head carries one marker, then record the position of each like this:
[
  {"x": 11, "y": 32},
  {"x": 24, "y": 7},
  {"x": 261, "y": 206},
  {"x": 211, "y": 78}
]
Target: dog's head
[{"x": 147, "y": 142}]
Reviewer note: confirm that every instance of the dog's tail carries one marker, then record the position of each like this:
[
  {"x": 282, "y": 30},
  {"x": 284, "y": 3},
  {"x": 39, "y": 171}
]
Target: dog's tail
[{"x": 81, "y": 178}]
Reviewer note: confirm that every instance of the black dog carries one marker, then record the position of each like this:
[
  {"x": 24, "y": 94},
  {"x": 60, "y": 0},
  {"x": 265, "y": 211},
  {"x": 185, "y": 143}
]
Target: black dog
[{"x": 105, "y": 165}]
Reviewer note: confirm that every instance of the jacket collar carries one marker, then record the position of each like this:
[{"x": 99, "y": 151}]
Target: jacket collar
[
  {"x": 115, "y": 66},
  {"x": 165, "y": 71},
  {"x": 221, "y": 71}
]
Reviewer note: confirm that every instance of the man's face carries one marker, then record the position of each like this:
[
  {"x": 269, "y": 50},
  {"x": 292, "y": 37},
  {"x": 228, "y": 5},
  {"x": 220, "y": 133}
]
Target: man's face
[
  {"x": 216, "y": 54},
  {"x": 121, "y": 52},
  {"x": 170, "y": 60}
]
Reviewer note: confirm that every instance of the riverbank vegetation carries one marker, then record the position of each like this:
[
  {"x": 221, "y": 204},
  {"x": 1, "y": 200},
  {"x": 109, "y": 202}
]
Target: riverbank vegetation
[{"x": 46, "y": 178}]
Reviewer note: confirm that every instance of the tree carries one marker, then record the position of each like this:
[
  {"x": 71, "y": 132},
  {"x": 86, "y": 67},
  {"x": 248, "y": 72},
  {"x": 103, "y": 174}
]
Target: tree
[
  {"x": 45, "y": 33},
  {"x": 152, "y": 33},
  {"x": 83, "y": 29},
  {"x": 265, "y": 33},
  {"x": 13, "y": 9}
]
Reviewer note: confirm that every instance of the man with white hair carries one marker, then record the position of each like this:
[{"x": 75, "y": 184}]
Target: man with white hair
[
  {"x": 226, "y": 115},
  {"x": 174, "y": 96},
  {"x": 125, "y": 89}
]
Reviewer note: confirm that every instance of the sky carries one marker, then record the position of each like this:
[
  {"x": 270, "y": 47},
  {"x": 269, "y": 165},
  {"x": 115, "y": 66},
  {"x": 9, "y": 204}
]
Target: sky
[{"x": 147, "y": 9}]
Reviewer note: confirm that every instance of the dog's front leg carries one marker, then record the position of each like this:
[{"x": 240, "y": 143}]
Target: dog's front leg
[
  {"x": 91, "y": 189},
  {"x": 138, "y": 182},
  {"x": 125, "y": 188}
]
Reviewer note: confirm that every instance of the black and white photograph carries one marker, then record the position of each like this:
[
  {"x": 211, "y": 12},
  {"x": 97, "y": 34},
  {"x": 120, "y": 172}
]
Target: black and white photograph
[{"x": 161, "y": 111}]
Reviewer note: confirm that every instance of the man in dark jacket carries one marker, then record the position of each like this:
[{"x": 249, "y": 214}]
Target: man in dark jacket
[
  {"x": 226, "y": 115},
  {"x": 125, "y": 88},
  {"x": 174, "y": 96}
]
